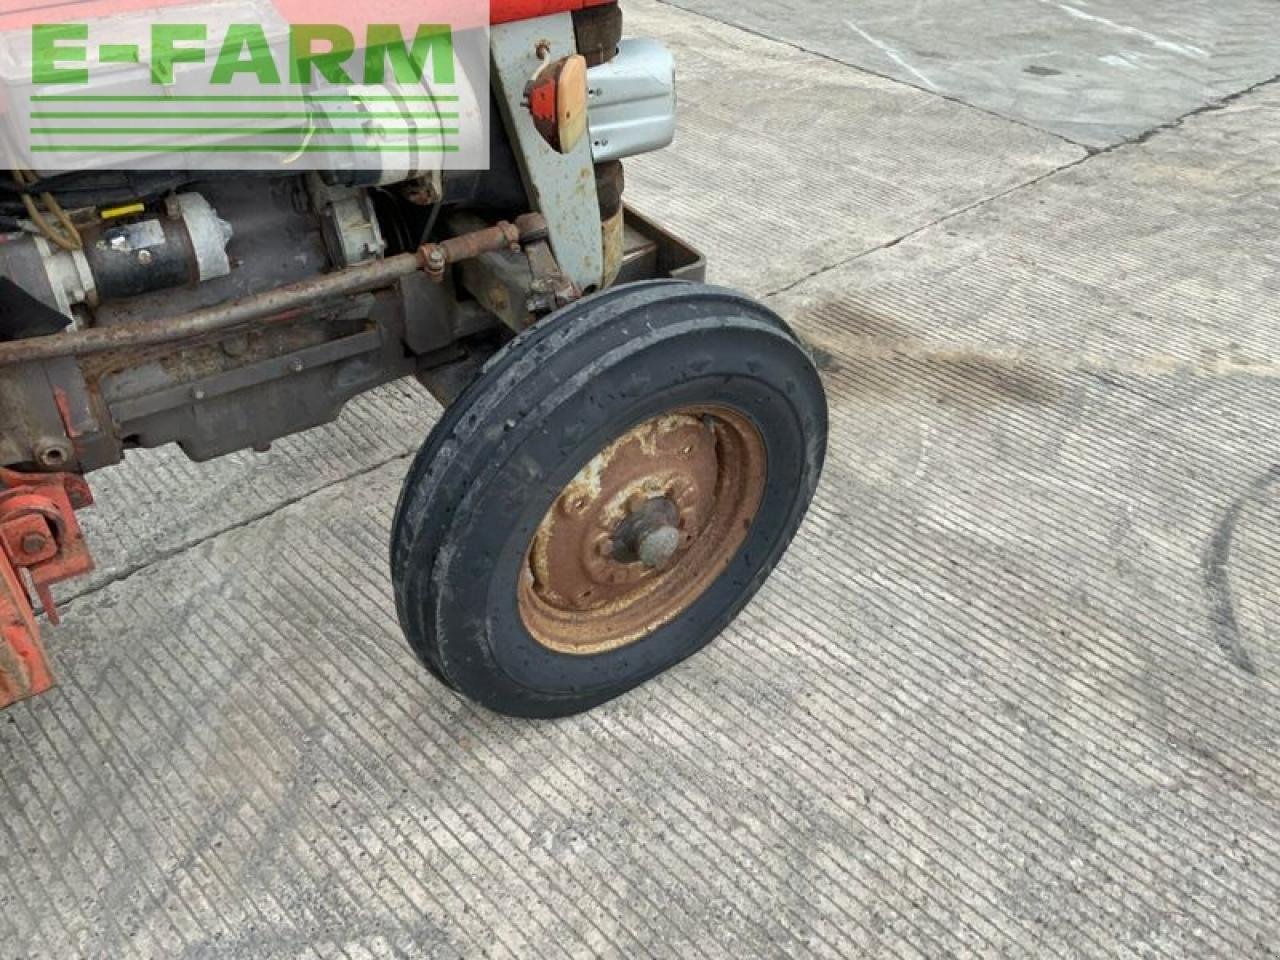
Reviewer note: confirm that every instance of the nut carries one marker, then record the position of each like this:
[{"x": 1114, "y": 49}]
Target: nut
[
  {"x": 53, "y": 453},
  {"x": 434, "y": 262},
  {"x": 33, "y": 543}
]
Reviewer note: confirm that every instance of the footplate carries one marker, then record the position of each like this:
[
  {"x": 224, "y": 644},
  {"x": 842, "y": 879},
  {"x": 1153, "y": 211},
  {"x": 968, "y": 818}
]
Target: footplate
[{"x": 40, "y": 545}]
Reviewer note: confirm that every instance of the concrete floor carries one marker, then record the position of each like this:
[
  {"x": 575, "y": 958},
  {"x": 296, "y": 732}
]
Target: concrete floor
[{"x": 1012, "y": 693}]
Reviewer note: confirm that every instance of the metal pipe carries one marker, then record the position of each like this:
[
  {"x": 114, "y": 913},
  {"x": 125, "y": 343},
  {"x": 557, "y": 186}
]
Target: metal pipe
[{"x": 276, "y": 303}]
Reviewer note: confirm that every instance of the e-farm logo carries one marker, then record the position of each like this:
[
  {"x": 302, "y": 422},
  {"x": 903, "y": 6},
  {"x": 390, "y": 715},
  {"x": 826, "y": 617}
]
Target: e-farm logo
[
  {"x": 237, "y": 93},
  {"x": 244, "y": 50}
]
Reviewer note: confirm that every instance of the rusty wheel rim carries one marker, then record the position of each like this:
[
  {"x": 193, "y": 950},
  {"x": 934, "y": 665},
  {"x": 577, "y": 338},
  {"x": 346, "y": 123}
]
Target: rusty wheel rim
[{"x": 642, "y": 531}]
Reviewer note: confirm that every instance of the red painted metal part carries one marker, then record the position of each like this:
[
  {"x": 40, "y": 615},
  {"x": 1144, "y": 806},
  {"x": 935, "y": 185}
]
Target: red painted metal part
[
  {"x": 505, "y": 11},
  {"x": 296, "y": 11},
  {"x": 541, "y": 93},
  {"x": 40, "y": 544}
]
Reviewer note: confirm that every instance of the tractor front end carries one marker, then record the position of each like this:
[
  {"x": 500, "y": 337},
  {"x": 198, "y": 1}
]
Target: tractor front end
[{"x": 624, "y": 454}]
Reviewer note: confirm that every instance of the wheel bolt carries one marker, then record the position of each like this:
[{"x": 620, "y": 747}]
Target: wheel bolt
[
  {"x": 575, "y": 505},
  {"x": 649, "y": 535}
]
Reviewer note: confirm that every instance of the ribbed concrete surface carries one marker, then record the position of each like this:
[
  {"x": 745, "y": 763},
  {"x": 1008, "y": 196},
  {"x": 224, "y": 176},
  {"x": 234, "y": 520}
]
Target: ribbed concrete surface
[
  {"x": 1162, "y": 253},
  {"x": 1094, "y": 71},
  {"x": 1013, "y": 692},
  {"x": 785, "y": 162},
  {"x": 161, "y": 502}
]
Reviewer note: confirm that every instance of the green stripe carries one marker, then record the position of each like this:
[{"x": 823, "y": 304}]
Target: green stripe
[
  {"x": 233, "y": 148},
  {"x": 225, "y": 115},
  {"x": 245, "y": 131},
  {"x": 344, "y": 98}
]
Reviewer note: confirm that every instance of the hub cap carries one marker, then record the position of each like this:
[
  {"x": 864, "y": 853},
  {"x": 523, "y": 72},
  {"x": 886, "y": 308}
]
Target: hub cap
[{"x": 642, "y": 530}]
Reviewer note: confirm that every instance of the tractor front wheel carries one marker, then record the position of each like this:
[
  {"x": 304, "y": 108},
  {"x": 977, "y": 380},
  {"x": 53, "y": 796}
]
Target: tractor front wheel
[{"x": 606, "y": 496}]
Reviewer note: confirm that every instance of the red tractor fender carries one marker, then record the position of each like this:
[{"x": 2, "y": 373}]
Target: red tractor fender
[
  {"x": 59, "y": 11},
  {"x": 506, "y": 11}
]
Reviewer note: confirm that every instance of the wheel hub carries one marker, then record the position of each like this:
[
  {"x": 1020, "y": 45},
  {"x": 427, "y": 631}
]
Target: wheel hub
[
  {"x": 650, "y": 534},
  {"x": 642, "y": 530}
]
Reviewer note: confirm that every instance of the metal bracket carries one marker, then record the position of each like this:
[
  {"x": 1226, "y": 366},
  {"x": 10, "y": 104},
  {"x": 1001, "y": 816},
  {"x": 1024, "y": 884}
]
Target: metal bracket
[
  {"x": 40, "y": 544},
  {"x": 561, "y": 186},
  {"x": 519, "y": 286},
  {"x": 551, "y": 287}
]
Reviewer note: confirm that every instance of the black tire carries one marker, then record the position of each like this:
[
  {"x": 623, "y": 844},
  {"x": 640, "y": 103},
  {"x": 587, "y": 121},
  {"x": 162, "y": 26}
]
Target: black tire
[{"x": 543, "y": 407}]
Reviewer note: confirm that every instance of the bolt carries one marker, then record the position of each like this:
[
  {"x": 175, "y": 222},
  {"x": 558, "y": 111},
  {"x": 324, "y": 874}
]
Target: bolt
[
  {"x": 145, "y": 257},
  {"x": 574, "y": 505},
  {"x": 658, "y": 546},
  {"x": 197, "y": 394},
  {"x": 648, "y": 534},
  {"x": 297, "y": 366},
  {"x": 434, "y": 263},
  {"x": 33, "y": 543}
]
